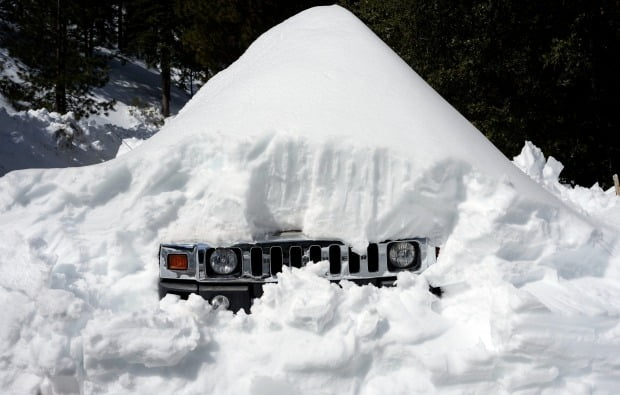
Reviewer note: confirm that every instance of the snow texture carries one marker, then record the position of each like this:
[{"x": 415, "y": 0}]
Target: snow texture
[{"x": 318, "y": 126}]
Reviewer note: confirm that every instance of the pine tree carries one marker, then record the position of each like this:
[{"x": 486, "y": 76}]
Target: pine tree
[
  {"x": 542, "y": 71},
  {"x": 217, "y": 32},
  {"x": 60, "y": 67},
  {"x": 152, "y": 34}
]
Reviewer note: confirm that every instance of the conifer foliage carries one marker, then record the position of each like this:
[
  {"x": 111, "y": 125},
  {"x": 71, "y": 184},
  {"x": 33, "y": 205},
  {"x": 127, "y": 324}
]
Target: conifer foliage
[
  {"x": 55, "y": 42},
  {"x": 152, "y": 33},
  {"x": 546, "y": 71}
]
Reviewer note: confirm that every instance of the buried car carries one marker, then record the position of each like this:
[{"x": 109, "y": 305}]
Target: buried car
[
  {"x": 232, "y": 276},
  {"x": 319, "y": 127}
]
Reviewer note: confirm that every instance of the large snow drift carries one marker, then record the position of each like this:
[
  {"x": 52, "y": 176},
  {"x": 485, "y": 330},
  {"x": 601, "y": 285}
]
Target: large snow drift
[
  {"x": 320, "y": 127},
  {"x": 323, "y": 128}
]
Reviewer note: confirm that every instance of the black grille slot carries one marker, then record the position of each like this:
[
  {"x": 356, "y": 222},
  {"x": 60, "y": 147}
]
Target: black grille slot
[
  {"x": 315, "y": 254},
  {"x": 256, "y": 261},
  {"x": 354, "y": 262},
  {"x": 334, "y": 259},
  {"x": 276, "y": 260},
  {"x": 295, "y": 254},
  {"x": 373, "y": 258}
]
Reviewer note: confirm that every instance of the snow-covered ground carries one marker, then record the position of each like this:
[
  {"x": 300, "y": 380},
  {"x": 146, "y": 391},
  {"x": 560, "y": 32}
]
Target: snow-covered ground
[
  {"x": 40, "y": 139},
  {"x": 318, "y": 126}
]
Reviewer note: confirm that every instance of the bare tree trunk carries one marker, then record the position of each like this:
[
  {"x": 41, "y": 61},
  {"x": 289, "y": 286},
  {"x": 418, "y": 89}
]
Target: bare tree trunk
[
  {"x": 165, "y": 82},
  {"x": 120, "y": 38},
  {"x": 91, "y": 37},
  {"x": 60, "y": 89},
  {"x": 191, "y": 83}
]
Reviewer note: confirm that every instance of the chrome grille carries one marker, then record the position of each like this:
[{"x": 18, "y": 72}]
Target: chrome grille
[
  {"x": 262, "y": 261},
  {"x": 266, "y": 261}
]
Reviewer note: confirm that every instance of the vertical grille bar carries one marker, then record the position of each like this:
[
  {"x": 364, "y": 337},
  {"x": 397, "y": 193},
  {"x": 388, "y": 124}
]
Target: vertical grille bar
[
  {"x": 334, "y": 259},
  {"x": 354, "y": 262},
  {"x": 256, "y": 261},
  {"x": 276, "y": 260},
  {"x": 202, "y": 272},
  {"x": 315, "y": 254},
  {"x": 373, "y": 258},
  {"x": 294, "y": 256}
]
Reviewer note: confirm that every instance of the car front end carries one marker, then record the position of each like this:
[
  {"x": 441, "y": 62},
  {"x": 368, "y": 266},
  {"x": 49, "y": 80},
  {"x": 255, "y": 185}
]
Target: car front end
[{"x": 232, "y": 276}]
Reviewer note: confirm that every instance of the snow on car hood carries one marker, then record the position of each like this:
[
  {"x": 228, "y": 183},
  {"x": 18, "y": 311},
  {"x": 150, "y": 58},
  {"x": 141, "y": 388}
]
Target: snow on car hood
[{"x": 319, "y": 126}]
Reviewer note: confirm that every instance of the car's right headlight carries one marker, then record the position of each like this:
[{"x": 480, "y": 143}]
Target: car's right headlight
[
  {"x": 223, "y": 261},
  {"x": 402, "y": 254}
]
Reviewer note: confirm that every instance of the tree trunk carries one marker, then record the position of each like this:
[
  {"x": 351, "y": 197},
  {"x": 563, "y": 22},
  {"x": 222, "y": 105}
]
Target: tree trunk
[
  {"x": 120, "y": 39},
  {"x": 91, "y": 37},
  {"x": 191, "y": 83},
  {"x": 60, "y": 89},
  {"x": 165, "y": 82}
]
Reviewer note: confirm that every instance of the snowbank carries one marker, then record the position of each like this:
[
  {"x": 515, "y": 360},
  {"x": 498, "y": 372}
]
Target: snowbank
[
  {"x": 320, "y": 127},
  {"x": 592, "y": 201},
  {"x": 40, "y": 139}
]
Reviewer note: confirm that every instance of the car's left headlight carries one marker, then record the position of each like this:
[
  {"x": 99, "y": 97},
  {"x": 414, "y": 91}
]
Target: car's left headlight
[
  {"x": 223, "y": 261},
  {"x": 402, "y": 254}
]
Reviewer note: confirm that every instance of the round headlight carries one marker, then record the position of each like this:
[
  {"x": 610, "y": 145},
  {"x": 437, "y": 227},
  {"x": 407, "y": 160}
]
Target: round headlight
[
  {"x": 223, "y": 261},
  {"x": 402, "y": 254}
]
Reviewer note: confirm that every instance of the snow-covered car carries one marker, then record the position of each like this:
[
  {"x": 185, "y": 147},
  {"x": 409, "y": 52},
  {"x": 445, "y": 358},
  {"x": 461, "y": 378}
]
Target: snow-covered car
[
  {"x": 231, "y": 276},
  {"x": 320, "y": 127}
]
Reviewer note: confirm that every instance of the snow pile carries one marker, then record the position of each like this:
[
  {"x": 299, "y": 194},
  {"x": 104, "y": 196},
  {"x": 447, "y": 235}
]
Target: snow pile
[
  {"x": 324, "y": 129},
  {"x": 42, "y": 139},
  {"x": 593, "y": 201},
  {"x": 320, "y": 127}
]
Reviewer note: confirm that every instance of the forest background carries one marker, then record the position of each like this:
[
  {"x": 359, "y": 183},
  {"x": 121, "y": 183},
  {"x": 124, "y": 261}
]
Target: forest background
[{"x": 544, "y": 71}]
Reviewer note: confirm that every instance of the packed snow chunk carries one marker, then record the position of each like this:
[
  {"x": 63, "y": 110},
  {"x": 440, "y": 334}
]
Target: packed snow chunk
[
  {"x": 310, "y": 310},
  {"x": 148, "y": 338},
  {"x": 359, "y": 335},
  {"x": 319, "y": 126},
  {"x": 546, "y": 172}
]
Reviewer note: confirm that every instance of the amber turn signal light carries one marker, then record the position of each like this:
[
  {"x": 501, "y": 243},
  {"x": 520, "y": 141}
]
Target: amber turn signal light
[{"x": 177, "y": 262}]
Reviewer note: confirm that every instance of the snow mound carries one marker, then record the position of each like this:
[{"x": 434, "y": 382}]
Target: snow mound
[
  {"x": 320, "y": 127},
  {"x": 42, "y": 139},
  {"x": 593, "y": 201}
]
